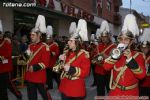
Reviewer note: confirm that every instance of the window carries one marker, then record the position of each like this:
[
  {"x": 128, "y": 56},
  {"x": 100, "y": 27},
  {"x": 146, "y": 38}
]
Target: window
[{"x": 109, "y": 5}]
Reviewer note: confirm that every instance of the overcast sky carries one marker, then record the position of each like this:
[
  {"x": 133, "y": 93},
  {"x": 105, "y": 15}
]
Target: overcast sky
[{"x": 138, "y": 5}]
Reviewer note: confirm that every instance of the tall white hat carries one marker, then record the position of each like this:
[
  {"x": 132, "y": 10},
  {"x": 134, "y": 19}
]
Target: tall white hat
[
  {"x": 130, "y": 27},
  {"x": 81, "y": 31},
  {"x": 104, "y": 29},
  {"x": 72, "y": 28},
  {"x": 145, "y": 38},
  {"x": 40, "y": 25},
  {"x": 49, "y": 31},
  {"x": 1, "y": 26}
]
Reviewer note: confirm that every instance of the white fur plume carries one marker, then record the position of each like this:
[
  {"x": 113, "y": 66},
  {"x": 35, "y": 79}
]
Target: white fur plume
[
  {"x": 130, "y": 24},
  {"x": 40, "y": 24},
  {"x": 146, "y": 35},
  {"x": 104, "y": 26},
  {"x": 92, "y": 37},
  {"x": 98, "y": 33},
  {"x": 82, "y": 29},
  {"x": 72, "y": 28},
  {"x": 1, "y": 26},
  {"x": 49, "y": 31}
]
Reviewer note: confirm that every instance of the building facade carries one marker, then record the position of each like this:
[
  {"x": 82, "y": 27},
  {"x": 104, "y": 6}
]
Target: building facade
[{"x": 60, "y": 13}]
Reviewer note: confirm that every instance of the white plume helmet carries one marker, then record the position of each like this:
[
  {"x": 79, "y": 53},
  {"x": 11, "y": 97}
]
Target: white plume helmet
[
  {"x": 40, "y": 24},
  {"x": 146, "y": 35},
  {"x": 49, "y": 31},
  {"x": 104, "y": 28},
  {"x": 72, "y": 28},
  {"x": 1, "y": 26},
  {"x": 98, "y": 33},
  {"x": 130, "y": 24},
  {"x": 82, "y": 29},
  {"x": 92, "y": 37},
  {"x": 145, "y": 38}
]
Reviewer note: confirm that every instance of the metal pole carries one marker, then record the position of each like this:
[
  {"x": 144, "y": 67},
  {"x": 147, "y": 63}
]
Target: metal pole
[{"x": 130, "y": 6}]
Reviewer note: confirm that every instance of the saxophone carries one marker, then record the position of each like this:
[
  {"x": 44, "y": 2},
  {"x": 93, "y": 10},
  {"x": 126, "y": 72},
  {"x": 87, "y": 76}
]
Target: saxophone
[{"x": 60, "y": 63}]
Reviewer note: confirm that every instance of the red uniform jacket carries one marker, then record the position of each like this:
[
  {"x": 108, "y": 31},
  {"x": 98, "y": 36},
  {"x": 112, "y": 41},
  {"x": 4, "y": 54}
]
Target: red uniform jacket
[
  {"x": 76, "y": 88},
  {"x": 146, "y": 81},
  {"x": 99, "y": 69},
  {"x": 130, "y": 77},
  {"x": 42, "y": 59},
  {"x": 54, "y": 53},
  {"x": 5, "y": 54}
]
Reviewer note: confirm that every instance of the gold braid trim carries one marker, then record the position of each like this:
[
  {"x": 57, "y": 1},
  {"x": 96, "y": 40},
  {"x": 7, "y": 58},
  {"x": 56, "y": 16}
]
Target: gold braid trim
[
  {"x": 2, "y": 58},
  {"x": 78, "y": 72},
  {"x": 122, "y": 70},
  {"x": 148, "y": 74},
  {"x": 64, "y": 74},
  {"x": 117, "y": 79},
  {"x": 42, "y": 65},
  {"x": 110, "y": 61},
  {"x": 86, "y": 53},
  {"x": 117, "y": 69},
  {"x": 147, "y": 59},
  {"x": 138, "y": 70}
]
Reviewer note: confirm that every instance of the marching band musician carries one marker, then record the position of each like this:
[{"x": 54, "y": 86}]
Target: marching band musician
[
  {"x": 93, "y": 45},
  {"x": 54, "y": 53},
  {"x": 145, "y": 48},
  {"x": 102, "y": 51},
  {"x": 76, "y": 65},
  {"x": 6, "y": 68},
  {"x": 127, "y": 66},
  {"x": 39, "y": 58}
]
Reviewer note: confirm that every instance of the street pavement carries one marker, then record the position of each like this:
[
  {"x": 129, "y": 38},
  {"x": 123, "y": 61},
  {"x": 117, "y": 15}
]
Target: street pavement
[{"x": 91, "y": 91}]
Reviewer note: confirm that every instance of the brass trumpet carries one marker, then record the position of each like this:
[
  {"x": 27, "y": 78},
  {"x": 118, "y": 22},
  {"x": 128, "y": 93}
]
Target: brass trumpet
[
  {"x": 60, "y": 63},
  {"x": 98, "y": 59},
  {"x": 58, "y": 67}
]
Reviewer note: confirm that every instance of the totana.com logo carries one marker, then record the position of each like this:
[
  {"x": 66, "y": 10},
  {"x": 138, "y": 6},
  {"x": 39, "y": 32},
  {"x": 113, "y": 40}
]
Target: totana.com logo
[{"x": 9, "y": 4}]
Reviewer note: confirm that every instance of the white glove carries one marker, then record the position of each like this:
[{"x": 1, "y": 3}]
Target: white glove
[
  {"x": 122, "y": 46},
  {"x": 28, "y": 51},
  {"x": 67, "y": 67},
  {"x": 62, "y": 57}
]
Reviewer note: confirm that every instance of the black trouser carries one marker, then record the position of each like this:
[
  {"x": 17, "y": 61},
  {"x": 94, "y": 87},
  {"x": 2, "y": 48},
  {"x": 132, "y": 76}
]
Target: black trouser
[
  {"x": 50, "y": 76},
  {"x": 145, "y": 91},
  {"x": 12, "y": 87},
  {"x": 64, "y": 97},
  {"x": 93, "y": 72},
  {"x": 32, "y": 91},
  {"x": 102, "y": 82},
  {"x": 4, "y": 79}
]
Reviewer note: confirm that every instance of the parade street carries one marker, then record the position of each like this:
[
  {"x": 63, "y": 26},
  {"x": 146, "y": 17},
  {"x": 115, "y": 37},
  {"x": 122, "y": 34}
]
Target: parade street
[{"x": 91, "y": 92}]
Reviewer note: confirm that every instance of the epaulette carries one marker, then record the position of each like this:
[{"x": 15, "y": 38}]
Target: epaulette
[
  {"x": 56, "y": 43},
  {"x": 86, "y": 52},
  {"x": 147, "y": 59},
  {"x": 47, "y": 47},
  {"x": 8, "y": 40},
  {"x": 140, "y": 53}
]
